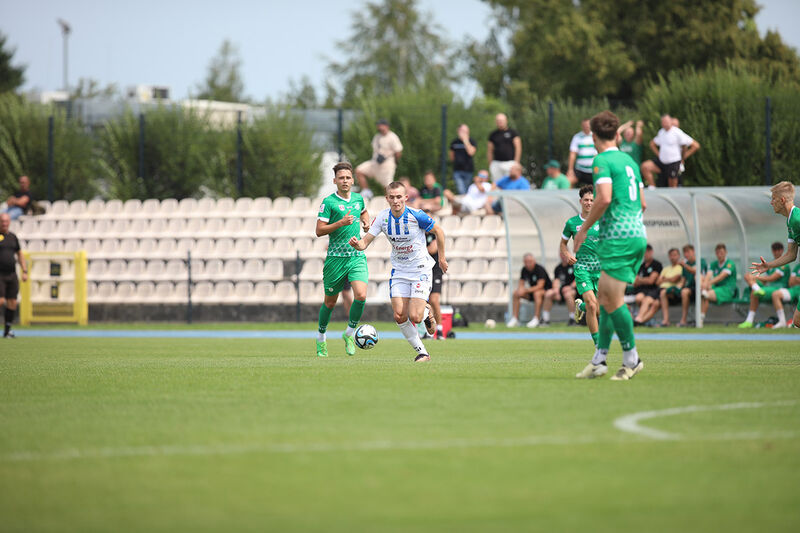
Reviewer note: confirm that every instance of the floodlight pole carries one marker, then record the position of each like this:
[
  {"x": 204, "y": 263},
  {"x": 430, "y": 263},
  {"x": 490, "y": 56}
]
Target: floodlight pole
[{"x": 65, "y": 31}]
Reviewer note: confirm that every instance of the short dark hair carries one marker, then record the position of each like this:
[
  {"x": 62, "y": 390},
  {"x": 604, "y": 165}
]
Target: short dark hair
[
  {"x": 673, "y": 250},
  {"x": 777, "y": 245},
  {"x": 584, "y": 190},
  {"x": 720, "y": 246},
  {"x": 605, "y": 125},
  {"x": 688, "y": 247},
  {"x": 648, "y": 248},
  {"x": 342, "y": 165},
  {"x": 395, "y": 185}
]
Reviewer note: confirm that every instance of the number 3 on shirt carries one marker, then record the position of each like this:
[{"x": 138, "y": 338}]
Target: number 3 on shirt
[{"x": 633, "y": 188}]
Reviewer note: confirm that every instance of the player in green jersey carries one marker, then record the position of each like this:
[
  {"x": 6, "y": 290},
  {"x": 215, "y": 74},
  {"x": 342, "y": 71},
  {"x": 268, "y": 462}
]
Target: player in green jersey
[
  {"x": 783, "y": 203},
  {"x": 618, "y": 205},
  {"x": 787, "y": 294},
  {"x": 587, "y": 264},
  {"x": 338, "y": 220},
  {"x": 719, "y": 284},
  {"x": 762, "y": 287}
]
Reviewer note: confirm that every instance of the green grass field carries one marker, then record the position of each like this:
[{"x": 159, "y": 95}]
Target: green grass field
[{"x": 259, "y": 435}]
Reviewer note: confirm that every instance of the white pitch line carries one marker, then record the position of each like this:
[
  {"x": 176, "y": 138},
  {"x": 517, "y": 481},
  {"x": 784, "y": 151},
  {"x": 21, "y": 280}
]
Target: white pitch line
[{"x": 630, "y": 423}]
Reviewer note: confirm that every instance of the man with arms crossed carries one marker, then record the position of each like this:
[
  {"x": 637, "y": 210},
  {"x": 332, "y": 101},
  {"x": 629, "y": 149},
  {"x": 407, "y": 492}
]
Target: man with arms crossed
[
  {"x": 673, "y": 147},
  {"x": 337, "y": 221},
  {"x": 10, "y": 253},
  {"x": 783, "y": 203},
  {"x": 618, "y": 205},
  {"x": 411, "y": 278},
  {"x": 587, "y": 264}
]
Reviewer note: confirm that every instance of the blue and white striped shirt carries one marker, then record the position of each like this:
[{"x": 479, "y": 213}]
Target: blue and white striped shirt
[{"x": 406, "y": 233}]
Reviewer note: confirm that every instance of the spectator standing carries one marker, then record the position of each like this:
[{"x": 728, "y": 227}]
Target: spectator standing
[
  {"x": 504, "y": 148},
  {"x": 476, "y": 196},
  {"x": 462, "y": 150},
  {"x": 670, "y": 283},
  {"x": 555, "y": 179},
  {"x": 21, "y": 201},
  {"x": 673, "y": 147},
  {"x": 430, "y": 195},
  {"x": 386, "y": 151},
  {"x": 581, "y": 155},
  {"x": 563, "y": 290},
  {"x": 533, "y": 283},
  {"x": 513, "y": 182},
  {"x": 631, "y": 140},
  {"x": 646, "y": 288},
  {"x": 689, "y": 263},
  {"x": 10, "y": 254}
]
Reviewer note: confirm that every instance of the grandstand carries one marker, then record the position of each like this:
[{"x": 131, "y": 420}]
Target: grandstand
[{"x": 247, "y": 251}]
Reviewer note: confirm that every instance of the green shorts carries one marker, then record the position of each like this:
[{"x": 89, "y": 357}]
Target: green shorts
[
  {"x": 725, "y": 295},
  {"x": 768, "y": 291},
  {"x": 794, "y": 292},
  {"x": 673, "y": 293},
  {"x": 621, "y": 258},
  {"x": 336, "y": 269},
  {"x": 586, "y": 280}
]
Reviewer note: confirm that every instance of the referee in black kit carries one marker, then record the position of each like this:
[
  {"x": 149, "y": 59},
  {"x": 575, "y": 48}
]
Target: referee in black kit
[{"x": 9, "y": 284}]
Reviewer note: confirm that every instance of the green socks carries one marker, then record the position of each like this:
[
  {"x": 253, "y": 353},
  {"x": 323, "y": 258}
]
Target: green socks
[
  {"x": 606, "y": 330},
  {"x": 623, "y": 325},
  {"x": 595, "y": 335},
  {"x": 356, "y": 310},
  {"x": 325, "y": 317},
  {"x": 582, "y": 307}
]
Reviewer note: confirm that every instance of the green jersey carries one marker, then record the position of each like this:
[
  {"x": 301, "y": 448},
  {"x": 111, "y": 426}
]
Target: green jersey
[
  {"x": 782, "y": 281},
  {"x": 587, "y": 253},
  {"x": 559, "y": 182},
  {"x": 793, "y": 224},
  {"x": 335, "y": 208},
  {"x": 632, "y": 149},
  {"x": 689, "y": 277},
  {"x": 623, "y": 218},
  {"x": 726, "y": 266}
]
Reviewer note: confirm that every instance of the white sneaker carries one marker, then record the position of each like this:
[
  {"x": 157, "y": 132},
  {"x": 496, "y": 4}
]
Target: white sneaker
[
  {"x": 533, "y": 323},
  {"x": 592, "y": 371},
  {"x": 513, "y": 323},
  {"x": 780, "y": 325},
  {"x": 625, "y": 373}
]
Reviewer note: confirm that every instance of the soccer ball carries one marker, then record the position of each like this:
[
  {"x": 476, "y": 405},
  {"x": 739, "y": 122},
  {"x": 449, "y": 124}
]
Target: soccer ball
[
  {"x": 490, "y": 323},
  {"x": 366, "y": 337}
]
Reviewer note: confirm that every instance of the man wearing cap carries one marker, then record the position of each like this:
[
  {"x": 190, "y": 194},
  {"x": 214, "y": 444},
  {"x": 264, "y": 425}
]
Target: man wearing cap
[
  {"x": 386, "y": 150},
  {"x": 476, "y": 196},
  {"x": 555, "y": 179}
]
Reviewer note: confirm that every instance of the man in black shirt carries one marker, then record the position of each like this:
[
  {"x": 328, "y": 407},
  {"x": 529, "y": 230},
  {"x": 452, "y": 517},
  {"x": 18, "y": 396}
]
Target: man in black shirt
[
  {"x": 563, "y": 291},
  {"x": 461, "y": 151},
  {"x": 646, "y": 288},
  {"x": 21, "y": 202},
  {"x": 533, "y": 284},
  {"x": 430, "y": 195},
  {"x": 505, "y": 149},
  {"x": 10, "y": 253}
]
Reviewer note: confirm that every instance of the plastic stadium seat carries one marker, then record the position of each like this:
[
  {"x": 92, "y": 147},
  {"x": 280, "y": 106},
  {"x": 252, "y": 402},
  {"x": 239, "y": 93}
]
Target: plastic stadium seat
[
  {"x": 234, "y": 269},
  {"x": 261, "y": 206},
  {"x": 273, "y": 227},
  {"x": 103, "y": 292},
  {"x": 478, "y": 269},
  {"x": 180, "y": 292},
  {"x": 253, "y": 269},
  {"x": 319, "y": 248},
  {"x": 72, "y": 245},
  {"x": 195, "y": 227},
  {"x": 34, "y": 245},
  {"x": 145, "y": 291},
  {"x": 169, "y": 207},
  {"x": 462, "y": 247},
  {"x": 495, "y": 292},
  {"x": 139, "y": 227},
  {"x": 234, "y": 227},
  {"x": 84, "y": 227},
  {"x": 203, "y": 291},
  {"x": 311, "y": 270},
  {"x": 132, "y": 207},
  {"x": 124, "y": 291},
  {"x": 59, "y": 208},
  {"x": 262, "y": 291},
  {"x": 27, "y": 226},
  {"x": 302, "y": 205},
  {"x": 262, "y": 247},
  {"x": 242, "y": 248},
  {"x": 283, "y": 247},
  {"x": 53, "y": 245},
  {"x": 471, "y": 291},
  {"x": 183, "y": 246},
  {"x": 223, "y": 291},
  {"x": 147, "y": 247},
  {"x": 498, "y": 269},
  {"x": 187, "y": 207},
  {"x": 308, "y": 292},
  {"x": 175, "y": 227},
  {"x": 150, "y": 207},
  {"x": 451, "y": 290},
  {"x": 158, "y": 227},
  {"x": 252, "y": 227},
  {"x": 470, "y": 226},
  {"x": 225, "y": 206},
  {"x": 381, "y": 247},
  {"x": 154, "y": 270},
  {"x": 95, "y": 208},
  {"x": 300, "y": 226},
  {"x": 378, "y": 270},
  {"x": 381, "y": 291},
  {"x": 91, "y": 246},
  {"x": 113, "y": 208},
  {"x": 97, "y": 269},
  {"x": 457, "y": 269},
  {"x": 119, "y": 227},
  {"x": 64, "y": 229},
  {"x": 40, "y": 270},
  {"x": 273, "y": 270},
  {"x": 223, "y": 248},
  {"x": 165, "y": 248},
  {"x": 281, "y": 206},
  {"x": 165, "y": 291},
  {"x": 486, "y": 247},
  {"x": 213, "y": 269},
  {"x": 242, "y": 206},
  {"x": 214, "y": 227},
  {"x": 242, "y": 291},
  {"x": 108, "y": 248},
  {"x": 492, "y": 225},
  {"x": 134, "y": 269},
  {"x": 47, "y": 227},
  {"x": 206, "y": 206},
  {"x": 376, "y": 205},
  {"x": 175, "y": 269},
  {"x": 203, "y": 248},
  {"x": 451, "y": 224},
  {"x": 285, "y": 292}
]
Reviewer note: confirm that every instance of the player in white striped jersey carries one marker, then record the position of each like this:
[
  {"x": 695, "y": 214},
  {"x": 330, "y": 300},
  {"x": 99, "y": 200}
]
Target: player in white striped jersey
[{"x": 411, "y": 278}]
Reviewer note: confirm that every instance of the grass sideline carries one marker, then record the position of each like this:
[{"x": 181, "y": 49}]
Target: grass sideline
[{"x": 254, "y": 435}]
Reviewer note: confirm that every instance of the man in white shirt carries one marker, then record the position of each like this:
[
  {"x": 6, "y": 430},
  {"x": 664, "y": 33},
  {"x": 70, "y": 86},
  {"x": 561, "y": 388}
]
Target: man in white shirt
[
  {"x": 476, "y": 197},
  {"x": 386, "y": 150},
  {"x": 673, "y": 147},
  {"x": 412, "y": 276}
]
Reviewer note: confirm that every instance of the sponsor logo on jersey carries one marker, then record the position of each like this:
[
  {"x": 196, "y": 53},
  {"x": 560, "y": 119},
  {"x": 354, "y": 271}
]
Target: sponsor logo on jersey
[
  {"x": 321, "y": 208},
  {"x": 341, "y": 207}
]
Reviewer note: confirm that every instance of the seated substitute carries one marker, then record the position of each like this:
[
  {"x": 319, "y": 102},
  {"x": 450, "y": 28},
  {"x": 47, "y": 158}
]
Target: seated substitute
[
  {"x": 646, "y": 288},
  {"x": 719, "y": 285},
  {"x": 670, "y": 283},
  {"x": 772, "y": 280},
  {"x": 563, "y": 290},
  {"x": 430, "y": 195},
  {"x": 533, "y": 283},
  {"x": 689, "y": 263},
  {"x": 790, "y": 293}
]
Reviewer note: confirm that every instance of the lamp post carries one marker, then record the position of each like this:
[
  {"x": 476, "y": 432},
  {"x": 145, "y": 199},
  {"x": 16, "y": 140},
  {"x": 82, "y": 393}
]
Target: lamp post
[{"x": 65, "y": 29}]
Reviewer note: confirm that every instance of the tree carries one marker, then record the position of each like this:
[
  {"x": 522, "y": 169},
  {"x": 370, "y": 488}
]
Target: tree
[
  {"x": 11, "y": 77},
  {"x": 91, "y": 88},
  {"x": 223, "y": 81},
  {"x": 302, "y": 95},
  {"x": 391, "y": 45}
]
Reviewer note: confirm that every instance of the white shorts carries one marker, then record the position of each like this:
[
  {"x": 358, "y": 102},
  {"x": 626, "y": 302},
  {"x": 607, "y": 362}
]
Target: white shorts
[
  {"x": 500, "y": 169},
  {"x": 415, "y": 284}
]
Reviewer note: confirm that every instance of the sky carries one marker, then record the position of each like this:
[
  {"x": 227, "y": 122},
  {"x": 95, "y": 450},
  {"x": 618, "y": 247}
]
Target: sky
[{"x": 170, "y": 42}]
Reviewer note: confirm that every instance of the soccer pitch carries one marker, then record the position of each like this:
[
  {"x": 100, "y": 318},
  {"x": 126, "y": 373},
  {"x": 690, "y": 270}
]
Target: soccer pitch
[{"x": 146, "y": 434}]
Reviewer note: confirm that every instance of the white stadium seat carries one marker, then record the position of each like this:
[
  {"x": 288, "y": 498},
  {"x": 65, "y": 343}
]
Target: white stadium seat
[
  {"x": 203, "y": 291},
  {"x": 132, "y": 207},
  {"x": 187, "y": 207},
  {"x": 281, "y": 206},
  {"x": 311, "y": 270},
  {"x": 242, "y": 206},
  {"x": 168, "y": 207},
  {"x": 262, "y": 291},
  {"x": 261, "y": 206}
]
